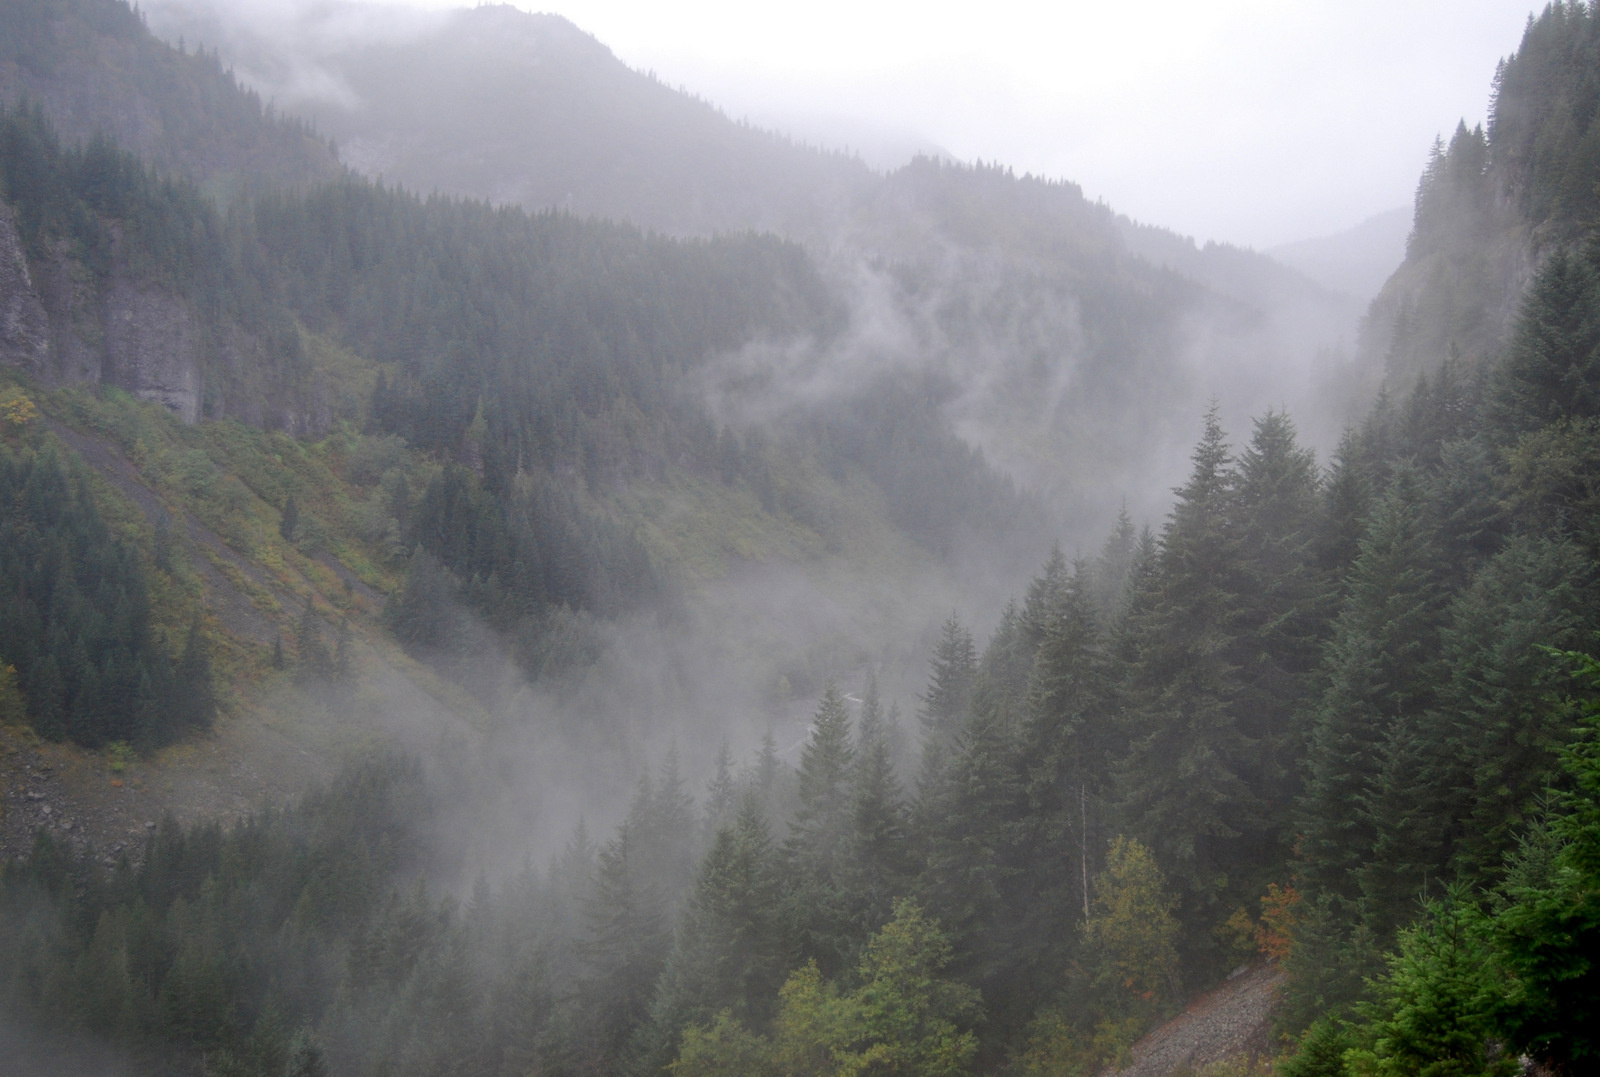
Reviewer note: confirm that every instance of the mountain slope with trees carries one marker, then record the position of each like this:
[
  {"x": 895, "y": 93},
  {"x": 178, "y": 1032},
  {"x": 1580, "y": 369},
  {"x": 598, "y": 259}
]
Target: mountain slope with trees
[{"x": 1341, "y": 717}]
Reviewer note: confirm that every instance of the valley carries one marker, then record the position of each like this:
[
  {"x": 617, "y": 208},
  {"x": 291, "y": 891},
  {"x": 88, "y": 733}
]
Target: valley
[{"x": 504, "y": 570}]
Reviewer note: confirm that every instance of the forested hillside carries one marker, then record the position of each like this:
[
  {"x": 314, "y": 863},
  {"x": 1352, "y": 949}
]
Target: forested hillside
[
  {"x": 1043, "y": 313},
  {"x": 1492, "y": 204},
  {"x": 94, "y": 66},
  {"x": 1341, "y": 717}
]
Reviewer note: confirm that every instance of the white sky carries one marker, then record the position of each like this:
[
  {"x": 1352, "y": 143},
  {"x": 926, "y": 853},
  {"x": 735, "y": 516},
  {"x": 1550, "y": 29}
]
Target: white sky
[{"x": 1248, "y": 121}]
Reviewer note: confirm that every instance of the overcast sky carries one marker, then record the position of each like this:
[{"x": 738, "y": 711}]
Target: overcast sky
[{"x": 1251, "y": 121}]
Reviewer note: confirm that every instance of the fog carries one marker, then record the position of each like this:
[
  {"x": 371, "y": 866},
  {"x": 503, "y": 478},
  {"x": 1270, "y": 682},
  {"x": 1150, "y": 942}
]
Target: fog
[
  {"x": 1048, "y": 311},
  {"x": 1250, "y": 123}
]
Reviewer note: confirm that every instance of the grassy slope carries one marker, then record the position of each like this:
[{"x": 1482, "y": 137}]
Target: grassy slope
[{"x": 203, "y": 504}]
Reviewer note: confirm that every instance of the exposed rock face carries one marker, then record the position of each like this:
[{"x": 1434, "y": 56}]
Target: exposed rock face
[
  {"x": 64, "y": 327},
  {"x": 152, "y": 347},
  {"x": 24, "y": 331}
]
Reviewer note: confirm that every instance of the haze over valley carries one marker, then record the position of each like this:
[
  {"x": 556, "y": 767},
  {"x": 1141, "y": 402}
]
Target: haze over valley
[{"x": 508, "y": 566}]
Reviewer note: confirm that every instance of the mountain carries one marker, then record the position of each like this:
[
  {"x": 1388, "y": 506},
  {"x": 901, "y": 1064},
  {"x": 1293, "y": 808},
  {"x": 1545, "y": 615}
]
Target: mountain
[
  {"x": 491, "y": 102},
  {"x": 358, "y": 687},
  {"x": 1492, "y": 205},
  {"x": 498, "y": 104},
  {"x": 1356, "y": 261},
  {"x": 96, "y": 69}
]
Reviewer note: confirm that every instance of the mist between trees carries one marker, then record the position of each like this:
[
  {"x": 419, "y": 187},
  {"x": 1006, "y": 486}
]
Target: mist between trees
[{"x": 1335, "y": 716}]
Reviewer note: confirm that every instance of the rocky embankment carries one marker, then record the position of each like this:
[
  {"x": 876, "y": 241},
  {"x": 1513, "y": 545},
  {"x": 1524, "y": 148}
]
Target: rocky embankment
[{"x": 1231, "y": 1022}]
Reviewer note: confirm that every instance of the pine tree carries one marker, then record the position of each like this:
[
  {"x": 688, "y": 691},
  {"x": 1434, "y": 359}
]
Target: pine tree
[
  {"x": 663, "y": 822},
  {"x": 194, "y": 701},
  {"x": 1110, "y": 570},
  {"x": 730, "y": 953},
  {"x": 1184, "y": 787},
  {"x": 878, "y": 863},
  {"x": 1381, "y": 670},
  {"x": 1069, "y": 743},
  {"x": 947, "y": 704},
  {"x": 623, "y": 953},
  {"x": 1552, "y": 368},
  {"x": 818, "y": 845},
  {"x": 1493, "y": 740},
  {"x": 721, "y": 793},
  {"x": 1282, "y": 609},
  {"x": 980, "y": 850}
]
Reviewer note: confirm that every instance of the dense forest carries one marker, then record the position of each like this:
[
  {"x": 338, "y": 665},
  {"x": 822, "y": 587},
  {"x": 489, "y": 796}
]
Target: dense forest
[
  {"x": 1344, "y": 718},
  {"x": 543, "y": 358}
]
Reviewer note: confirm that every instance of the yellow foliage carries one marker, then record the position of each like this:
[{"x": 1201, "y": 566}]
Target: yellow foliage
[
  {"x": 16, "y": 409},
  {"x": 1279, "y": 914},
  {"x": 1132, "y": 932},
  {"x": 1238, "y": 935}
]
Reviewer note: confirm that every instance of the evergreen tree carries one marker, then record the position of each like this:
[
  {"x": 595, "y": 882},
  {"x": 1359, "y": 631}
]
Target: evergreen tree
[
  {"x": 1551, "y": 370},
  {"x": 624, "y": 951},
  {"x": 194, "y": 701},
  {"x": 1281, "y": 611},
  {"x": 721, "y": 793},
  {"x": 818, "y": 846},
  {"x": 290, "y": 520},
  {"x": 1110, "y": 571},
  {"x": 1184, "y": 780},
  {"x": 1493, "y": 741},
  {"x": 980, "y": 852},
  {"x": 947, "y": 704},
  {"x": 1346, "y": 503},
  {"x": 1382, "y": 673},
  {"x": 663, "y": 822},
  {"x": 1069, "y": 744},
  {"x": 878, "y": 865},
  {"x": 730, "y": 955}
]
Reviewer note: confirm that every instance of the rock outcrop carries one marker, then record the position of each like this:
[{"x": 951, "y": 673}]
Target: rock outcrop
[
  {"x": 62, "y": 325},
  {"x": 24, "y": 329}
]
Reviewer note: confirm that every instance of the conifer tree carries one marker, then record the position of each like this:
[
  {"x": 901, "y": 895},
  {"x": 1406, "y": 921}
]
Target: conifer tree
[
  {"x": 1346, "y": 502},
  {"x": 1184, "y": 787},
  {"x": 980, "y": 849},
  {"x": 1281, "y": 610},
  {"x": 1552, "y": 368},
  {"x": 947, "y": 704},
  {"x": 194, "y": 701},
  {"x": 289, "y": 523},
  {"x": 1069, "y": 745},
  {"x": 730, "y": 954},
  {"x": 663, "y": 823},
  {"x": 818, "y": 846},
  {"x": 623, "y": 953},
  {"x": 1110, "y": 571},
  {"x": 721, "y": 793},
  {"x": 1493, "y": 740},
  {"x": 1381, "y": 671},
  {"x": 878, "y": 866}
]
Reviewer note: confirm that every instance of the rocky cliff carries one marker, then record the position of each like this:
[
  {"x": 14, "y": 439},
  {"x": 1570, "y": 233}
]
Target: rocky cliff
[{"x": 64, "y": 326}]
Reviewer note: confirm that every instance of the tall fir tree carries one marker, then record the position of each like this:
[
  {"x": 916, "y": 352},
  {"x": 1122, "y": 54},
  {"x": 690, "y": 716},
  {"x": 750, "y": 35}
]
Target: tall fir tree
[
  {"x": 947, "y": 703},
  {"x": 878, "y": 866},
  {"x": 1282, "y": 609},
  {"x": 1381, "y": 671},
  {"x": 731, "y": 953},
  {"x": 1184, "y": 781},
  {"x": 818, "y": 845}
]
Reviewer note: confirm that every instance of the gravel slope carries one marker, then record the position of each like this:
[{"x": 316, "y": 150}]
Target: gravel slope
[{"x": 1228, "y": 1022}]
